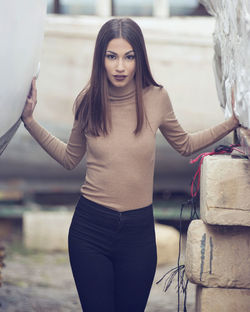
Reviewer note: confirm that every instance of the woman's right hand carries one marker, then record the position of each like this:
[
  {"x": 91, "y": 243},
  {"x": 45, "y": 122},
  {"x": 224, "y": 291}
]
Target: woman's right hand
[
  {"x": 30, "y": 103},
  {"x": 233, "y": 106}
]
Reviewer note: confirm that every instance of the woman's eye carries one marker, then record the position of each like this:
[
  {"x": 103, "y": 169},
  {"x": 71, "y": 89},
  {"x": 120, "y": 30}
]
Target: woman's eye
[
  {"x": 130, "y": 57},
  {"x": 110, "y": 56}
]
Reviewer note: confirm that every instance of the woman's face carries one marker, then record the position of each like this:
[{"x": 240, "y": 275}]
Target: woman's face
[{"x": 119, "y": 62}]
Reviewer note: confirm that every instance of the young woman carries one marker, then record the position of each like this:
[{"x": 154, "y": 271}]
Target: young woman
[{"x": 111, "y": 238}]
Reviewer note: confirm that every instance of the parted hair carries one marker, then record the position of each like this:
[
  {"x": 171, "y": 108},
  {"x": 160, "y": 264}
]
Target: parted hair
[{"x": 92, "y": 105}]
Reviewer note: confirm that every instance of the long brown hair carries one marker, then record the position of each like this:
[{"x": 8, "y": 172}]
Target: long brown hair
[{"x": 92, "y": 102}]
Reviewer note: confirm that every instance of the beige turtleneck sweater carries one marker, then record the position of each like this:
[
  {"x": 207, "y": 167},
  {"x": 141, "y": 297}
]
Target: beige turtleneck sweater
[{"x": 120, "y": 166}]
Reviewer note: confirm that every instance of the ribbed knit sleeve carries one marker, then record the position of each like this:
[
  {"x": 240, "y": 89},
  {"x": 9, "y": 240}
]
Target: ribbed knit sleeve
[
  {"x": 68, "y": 155},
  {"x": 188, "y": 143}
]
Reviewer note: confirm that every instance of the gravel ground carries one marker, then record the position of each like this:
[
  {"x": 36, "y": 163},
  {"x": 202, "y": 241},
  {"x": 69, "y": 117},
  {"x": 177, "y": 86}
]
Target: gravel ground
[{"x": 43, "y": 282}]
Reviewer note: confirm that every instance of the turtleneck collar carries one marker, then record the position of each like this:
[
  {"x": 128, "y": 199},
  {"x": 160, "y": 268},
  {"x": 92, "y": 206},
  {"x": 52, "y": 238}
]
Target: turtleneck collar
[{"x": 122, "y": 93}]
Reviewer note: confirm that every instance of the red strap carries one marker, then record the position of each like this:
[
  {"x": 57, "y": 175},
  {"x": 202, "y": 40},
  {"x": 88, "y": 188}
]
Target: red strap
[{"x": 220, "y": 150}]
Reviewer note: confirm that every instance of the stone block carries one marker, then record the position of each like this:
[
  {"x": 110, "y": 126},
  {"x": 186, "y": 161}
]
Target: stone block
[
  {"x": 167, "y": 242},
  {"x": 218, "y": 256},
  {"x": 225, "y": 190},
  {"x": 222, "y": 299},
  {"x": 46, "y": 230}
]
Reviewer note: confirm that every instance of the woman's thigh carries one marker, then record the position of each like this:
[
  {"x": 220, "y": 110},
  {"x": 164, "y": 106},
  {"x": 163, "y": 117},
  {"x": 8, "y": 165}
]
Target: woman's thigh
[
  {"x": 89, "y": 242},
  {"x": 134, "y": 273},
  {"x": 135, "y": 259},
  {"x": 94, "y": 277}
]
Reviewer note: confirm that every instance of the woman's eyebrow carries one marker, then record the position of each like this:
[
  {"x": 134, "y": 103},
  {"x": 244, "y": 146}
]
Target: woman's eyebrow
[
  {"x": 129, "y": 52},
  {"x": 116, "y": 53}
]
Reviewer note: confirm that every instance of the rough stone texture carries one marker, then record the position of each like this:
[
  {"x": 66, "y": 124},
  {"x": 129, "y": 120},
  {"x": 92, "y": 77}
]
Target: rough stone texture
[
  {"x": 222, "y": 300},
  {"x": 167, "y": 238},
  {"x": 46, "y": 230},
  {"x": 244, "y": 138},
  {"x": 218, "y": 256},
  {"x": 232, "y": 54},
  {"x": 225, "y": 190}
]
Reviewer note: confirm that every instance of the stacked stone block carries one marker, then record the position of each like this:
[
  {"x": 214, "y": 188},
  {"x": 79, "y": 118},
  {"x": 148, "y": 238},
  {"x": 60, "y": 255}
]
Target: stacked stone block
[{"x": 218, "y": 245}]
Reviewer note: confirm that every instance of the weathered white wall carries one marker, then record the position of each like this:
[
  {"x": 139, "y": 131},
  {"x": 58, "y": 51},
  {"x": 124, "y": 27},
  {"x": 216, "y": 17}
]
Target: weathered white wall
[
  {"x": 232, "y": 54},
  {"x": 180, "y": 53}
]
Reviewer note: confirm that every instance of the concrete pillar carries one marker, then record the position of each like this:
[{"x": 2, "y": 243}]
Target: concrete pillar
[
  {"x": 104, "y": 7},
  {"x": 161, "y": 8}
]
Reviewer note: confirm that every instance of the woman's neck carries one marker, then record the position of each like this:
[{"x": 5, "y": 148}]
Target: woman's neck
[{"x": 122, "y": 91}]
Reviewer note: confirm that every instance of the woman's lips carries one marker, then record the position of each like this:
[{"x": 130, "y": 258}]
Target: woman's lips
[{"x": 120, "y": 77}]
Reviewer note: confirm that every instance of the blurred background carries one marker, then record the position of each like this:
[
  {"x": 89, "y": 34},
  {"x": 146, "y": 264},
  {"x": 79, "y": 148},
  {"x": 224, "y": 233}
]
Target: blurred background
[{"x": 178, "y": 35}]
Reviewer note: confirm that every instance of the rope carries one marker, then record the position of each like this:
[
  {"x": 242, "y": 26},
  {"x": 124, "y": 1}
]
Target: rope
[
  {"x": 221, "y": 149},
  {"x": 193, "y": 205}
]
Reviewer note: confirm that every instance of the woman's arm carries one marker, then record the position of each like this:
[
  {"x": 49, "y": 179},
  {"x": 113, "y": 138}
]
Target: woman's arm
[
  {"x": 68, "y": 155},
  {"x": 189, "y": 143}
]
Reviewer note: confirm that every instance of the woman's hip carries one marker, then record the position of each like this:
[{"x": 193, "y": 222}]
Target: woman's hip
[{"x": 99, "y": 225}]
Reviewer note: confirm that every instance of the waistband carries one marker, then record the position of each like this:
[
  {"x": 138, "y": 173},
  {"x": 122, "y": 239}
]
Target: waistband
[{"x": 133, "y": 212}]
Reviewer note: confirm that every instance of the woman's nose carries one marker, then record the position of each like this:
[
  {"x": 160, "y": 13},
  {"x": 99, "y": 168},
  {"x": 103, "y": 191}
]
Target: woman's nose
[{"x": 120, "y": 65}]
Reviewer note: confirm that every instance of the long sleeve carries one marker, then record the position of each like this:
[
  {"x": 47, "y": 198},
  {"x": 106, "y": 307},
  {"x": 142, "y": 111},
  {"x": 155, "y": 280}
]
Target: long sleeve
[
  {"x": 188, "y": 143},
  {"x": 68, "y": 155}
]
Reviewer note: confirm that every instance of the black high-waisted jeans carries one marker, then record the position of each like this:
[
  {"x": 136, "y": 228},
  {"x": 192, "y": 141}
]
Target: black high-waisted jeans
[{"x": 112, "y": 256}]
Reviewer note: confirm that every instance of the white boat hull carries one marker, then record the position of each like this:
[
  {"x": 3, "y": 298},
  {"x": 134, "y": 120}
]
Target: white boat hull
[{"x": 21, "y": 35}]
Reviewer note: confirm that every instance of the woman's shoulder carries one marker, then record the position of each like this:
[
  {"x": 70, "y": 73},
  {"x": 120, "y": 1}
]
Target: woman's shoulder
[{"x": 155, "y": 93}]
